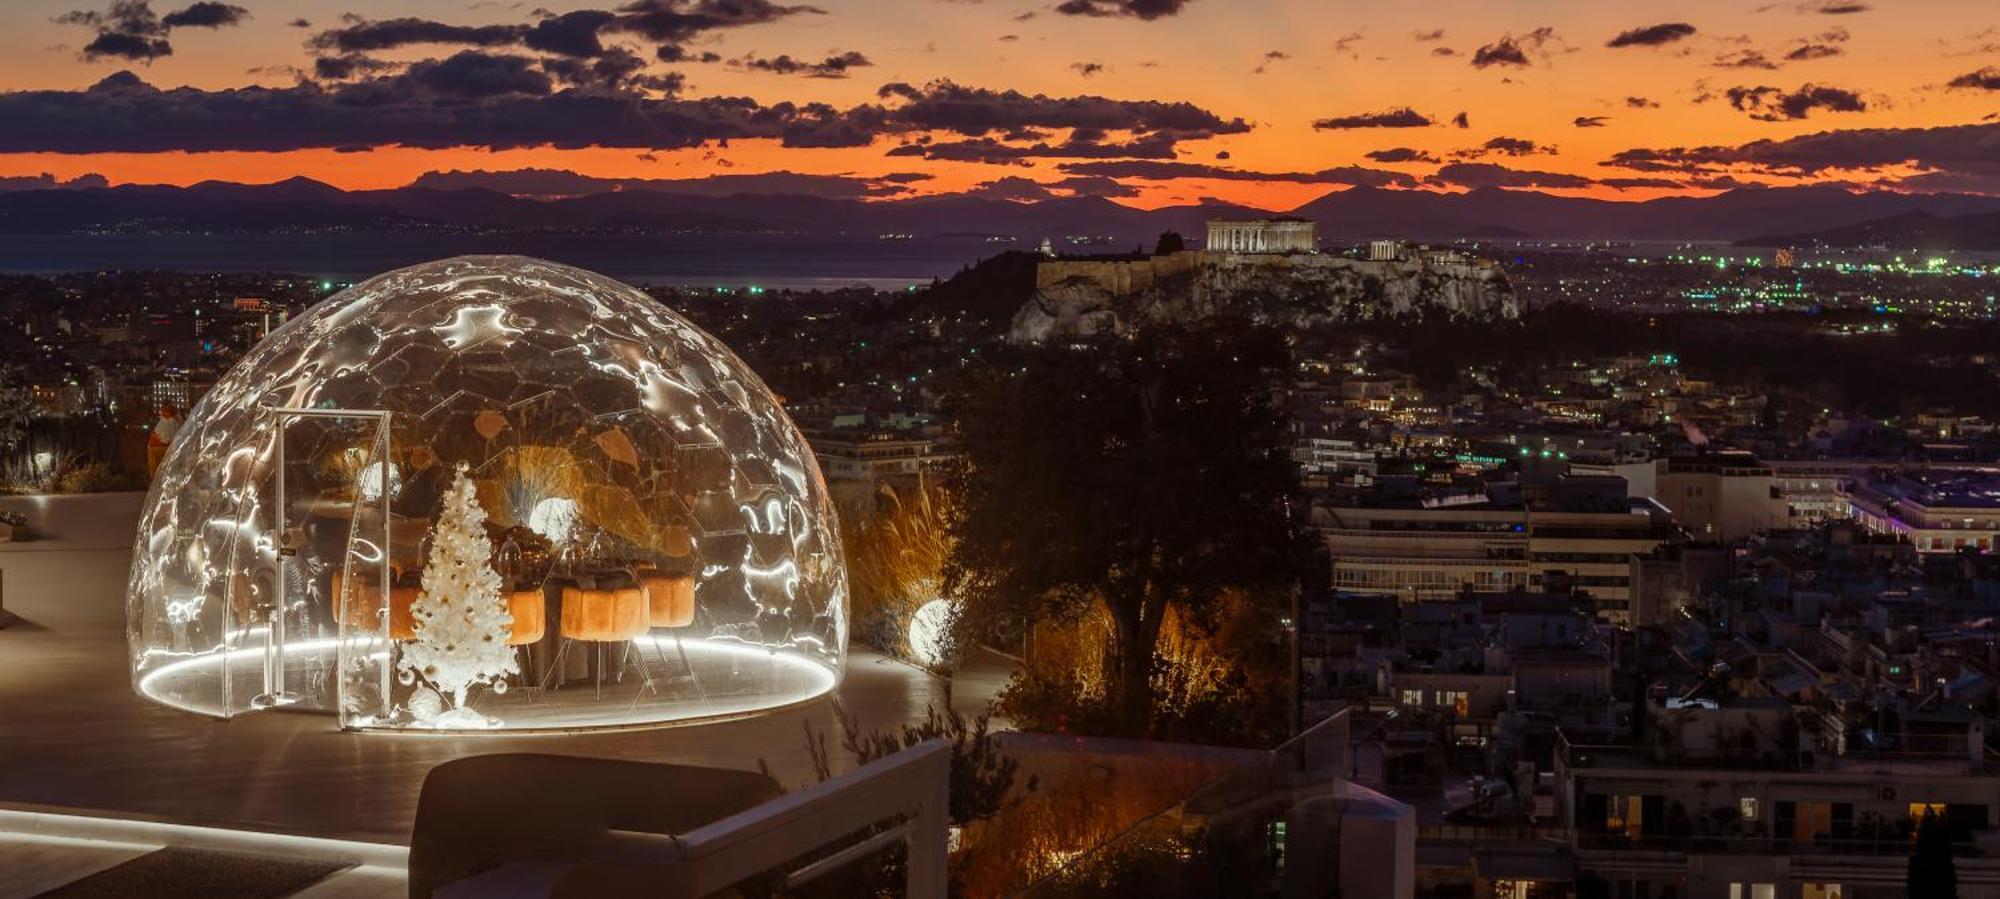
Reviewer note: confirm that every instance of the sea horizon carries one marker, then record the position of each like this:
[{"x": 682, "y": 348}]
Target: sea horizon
[{"x": 788, "y": 261}]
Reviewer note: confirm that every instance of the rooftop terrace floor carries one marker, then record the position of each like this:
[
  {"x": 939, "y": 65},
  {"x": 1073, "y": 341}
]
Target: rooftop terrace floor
[{"x": 74, "y": 736}]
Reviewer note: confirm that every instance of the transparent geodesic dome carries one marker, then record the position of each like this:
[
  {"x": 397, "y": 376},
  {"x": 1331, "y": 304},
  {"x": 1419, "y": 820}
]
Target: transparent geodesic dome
[{"x": 624, "y": 459}]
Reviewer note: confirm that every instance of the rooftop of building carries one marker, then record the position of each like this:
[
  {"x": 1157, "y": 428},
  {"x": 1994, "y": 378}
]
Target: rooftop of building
[
  {"x": 1938, "y": 488},
  {"x": 1933, "y": 755},
  {"x": 1568, "y": 656},
  {"x": 1717, "y": 462},
  {"x": 1521, "y": 602}
]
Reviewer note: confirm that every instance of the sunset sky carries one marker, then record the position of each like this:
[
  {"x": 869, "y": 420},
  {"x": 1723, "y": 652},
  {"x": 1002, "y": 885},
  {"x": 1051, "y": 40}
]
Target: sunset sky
[{"x": 1151, "y": 102}]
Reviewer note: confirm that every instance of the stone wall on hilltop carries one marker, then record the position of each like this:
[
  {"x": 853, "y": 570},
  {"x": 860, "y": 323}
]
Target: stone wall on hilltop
[{"x": 1302, "y": 290}]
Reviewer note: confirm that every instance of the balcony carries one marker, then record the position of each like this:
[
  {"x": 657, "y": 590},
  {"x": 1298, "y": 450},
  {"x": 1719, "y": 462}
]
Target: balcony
[
  {"x": 1895, "y": 843},
  {"x": 1914, "y": 754}
]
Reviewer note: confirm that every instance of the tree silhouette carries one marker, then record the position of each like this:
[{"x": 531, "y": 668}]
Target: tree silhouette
[
  {"x": 1933, "y": 874},
  {"x": 1170, "y": 242},
  {"x": 1141, "y": 473}
]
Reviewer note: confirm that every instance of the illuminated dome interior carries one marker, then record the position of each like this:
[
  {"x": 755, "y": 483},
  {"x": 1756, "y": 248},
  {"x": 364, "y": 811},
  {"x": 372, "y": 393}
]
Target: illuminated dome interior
[{"x": 667, "y": 547}]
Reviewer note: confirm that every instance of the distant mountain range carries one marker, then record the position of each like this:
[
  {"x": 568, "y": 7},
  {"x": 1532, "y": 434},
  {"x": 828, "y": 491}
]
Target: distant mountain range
[
  {"x": 461, "y": 201},
  {"x": 1914, "y": 230}
]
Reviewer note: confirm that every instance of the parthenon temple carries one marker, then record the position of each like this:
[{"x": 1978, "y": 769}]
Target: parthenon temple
[{"x": 1276, "y": 235}]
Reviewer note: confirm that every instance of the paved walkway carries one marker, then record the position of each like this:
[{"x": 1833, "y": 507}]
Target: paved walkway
[
  {"x": 74, "y": 736},
  {"x": 48, "y": 851}
]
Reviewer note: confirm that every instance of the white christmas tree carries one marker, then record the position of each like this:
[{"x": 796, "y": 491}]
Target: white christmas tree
[{"x": 461, "y": 620}]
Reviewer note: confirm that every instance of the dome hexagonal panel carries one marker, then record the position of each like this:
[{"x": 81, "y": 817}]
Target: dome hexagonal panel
[{"x": 666, "y": 548}]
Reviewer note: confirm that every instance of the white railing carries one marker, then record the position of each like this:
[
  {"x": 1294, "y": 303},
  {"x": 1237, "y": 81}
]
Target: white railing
[
  {"x": 902, "y": 798},
  {"x": 34, "y": 822}
]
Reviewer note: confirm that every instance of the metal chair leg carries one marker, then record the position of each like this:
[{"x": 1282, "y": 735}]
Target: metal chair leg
[
  {"x": 638, "y": 659},
  {"x": 689, "y": 668},
  {"x": 554, "y": 674},
  {"x": 686, "y": 668}
]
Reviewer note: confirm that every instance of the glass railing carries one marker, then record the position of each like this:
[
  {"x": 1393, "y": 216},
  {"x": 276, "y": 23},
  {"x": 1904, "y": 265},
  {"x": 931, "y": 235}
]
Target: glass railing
[{"x": 1225, "y": 837}]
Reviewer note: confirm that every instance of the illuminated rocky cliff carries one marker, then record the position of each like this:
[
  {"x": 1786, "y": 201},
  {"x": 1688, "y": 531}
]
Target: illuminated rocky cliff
[{"x": 1081, "y": 297}]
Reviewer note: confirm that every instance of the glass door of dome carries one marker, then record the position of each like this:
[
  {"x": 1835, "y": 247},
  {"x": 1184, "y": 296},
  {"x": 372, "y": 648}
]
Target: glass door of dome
[{"x": 321, "y": 638}]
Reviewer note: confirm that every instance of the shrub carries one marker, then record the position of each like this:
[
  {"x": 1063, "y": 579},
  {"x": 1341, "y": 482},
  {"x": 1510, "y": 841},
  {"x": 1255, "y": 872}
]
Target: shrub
[{"x": 92, "y": 477}]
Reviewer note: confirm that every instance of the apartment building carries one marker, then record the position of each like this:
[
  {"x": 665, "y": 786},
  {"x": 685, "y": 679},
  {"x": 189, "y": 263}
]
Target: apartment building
[
  {"x": 873, "y": 457},
  {"x": 1723, "y": 496},
  {"x": 1746, "y": 798},
  {"x": 1581, "y": 536}
]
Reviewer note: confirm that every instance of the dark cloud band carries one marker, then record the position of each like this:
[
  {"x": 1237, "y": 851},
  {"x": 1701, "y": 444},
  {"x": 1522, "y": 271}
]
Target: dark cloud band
[
  {"x": 1150, "y": 170},
  {"x": 1771, "y": 104},
  {"x": 1400, "y": 117},
  {"x": 1966, "y": 156},
  {"x": 129, "y": 29},
  {"x": 501, "y": 101},
  {"x": 1146, "y": 10},
  {"x": 1652, "y": 35}
]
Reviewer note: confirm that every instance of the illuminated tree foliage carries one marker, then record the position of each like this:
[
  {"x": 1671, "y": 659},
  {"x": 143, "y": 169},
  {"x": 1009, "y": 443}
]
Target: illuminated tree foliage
[
  {"x": 1221, "y": 680},
  {"x": 1142, "y": 474},
  {"x": 894, "y": 554}
]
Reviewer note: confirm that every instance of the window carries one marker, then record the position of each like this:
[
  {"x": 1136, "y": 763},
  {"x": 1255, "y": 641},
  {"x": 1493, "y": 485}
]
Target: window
[
  {"x": 1919, "y": 809},
  {"x": 1413, "y": 697},
  {"x": 1747, "y": 807},
  {"x": 1753, "y": 891},
  {"x": 1809, "y": 821},
  {"x": 1458, "y": 701},
  {"x": 1625, "y": 815},
  {"x": 1821, "y": 891}
]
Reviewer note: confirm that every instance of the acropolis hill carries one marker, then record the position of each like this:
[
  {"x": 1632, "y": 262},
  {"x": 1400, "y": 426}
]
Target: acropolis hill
[{"x": 1270, "y": 268}]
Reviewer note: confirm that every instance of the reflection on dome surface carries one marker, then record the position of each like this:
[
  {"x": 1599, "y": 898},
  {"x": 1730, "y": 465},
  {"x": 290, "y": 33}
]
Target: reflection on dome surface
[{"x": 666, "y": 547}]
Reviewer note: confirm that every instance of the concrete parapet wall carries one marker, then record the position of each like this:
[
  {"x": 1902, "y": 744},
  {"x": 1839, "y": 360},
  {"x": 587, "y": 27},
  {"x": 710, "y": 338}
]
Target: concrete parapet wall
[{"x": 1119, "y": 276}]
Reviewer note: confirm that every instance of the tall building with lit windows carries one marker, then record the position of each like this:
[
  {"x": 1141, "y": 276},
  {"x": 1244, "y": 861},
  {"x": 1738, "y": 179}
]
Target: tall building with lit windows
[
  {"x": 1582, "y": 536},
  {"x": 1751, "y": 798}
]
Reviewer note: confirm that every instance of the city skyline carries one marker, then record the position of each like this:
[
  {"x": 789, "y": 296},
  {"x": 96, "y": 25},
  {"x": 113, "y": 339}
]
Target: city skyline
[
  {"x": 1146, "y": 102},
  {"x": 973, "y": 448}
]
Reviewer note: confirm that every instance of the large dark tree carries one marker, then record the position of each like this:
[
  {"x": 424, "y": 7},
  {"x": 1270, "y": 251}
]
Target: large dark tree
[
  {"x": 1142, "y": 473},
  {"x": 1933, "y": 874}
]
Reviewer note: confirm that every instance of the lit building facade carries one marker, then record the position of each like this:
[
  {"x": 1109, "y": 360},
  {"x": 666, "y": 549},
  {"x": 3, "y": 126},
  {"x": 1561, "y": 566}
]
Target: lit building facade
[
  {"x": 1742, "y": 799},
  {"x": 875, "y": 458},
  {"x": 1434, "y": 553},
  {"x": 1724, "y": 496},
  {"x": 1939, "y": 511}
]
